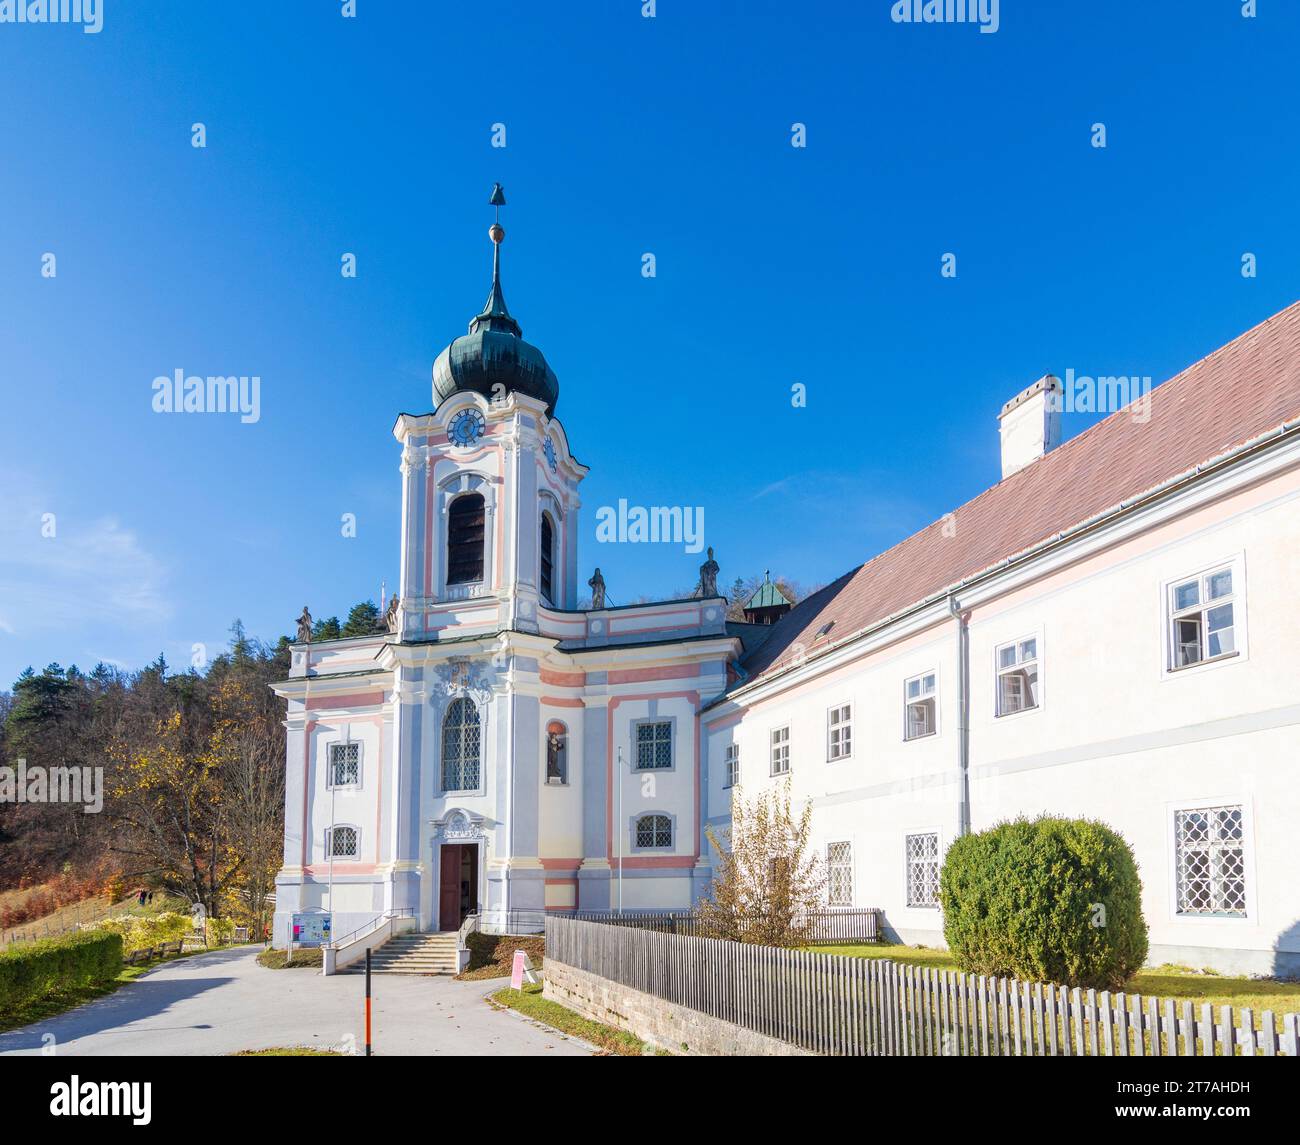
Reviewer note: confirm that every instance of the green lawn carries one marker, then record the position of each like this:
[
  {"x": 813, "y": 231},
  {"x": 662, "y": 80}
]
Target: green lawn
[
  {"x": 530, "y": 1003},
  {"x": 1175, "y": 982}
]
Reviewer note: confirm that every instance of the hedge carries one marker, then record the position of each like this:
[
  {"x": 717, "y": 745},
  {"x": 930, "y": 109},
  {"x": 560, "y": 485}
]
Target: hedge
[
  {"x": 82, "y": 958},
  {"x": 1045, "y": 900}
]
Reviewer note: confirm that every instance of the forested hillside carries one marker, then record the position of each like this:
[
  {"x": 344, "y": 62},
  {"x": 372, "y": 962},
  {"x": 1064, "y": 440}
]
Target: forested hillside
[{"x": 192, "y": 771}]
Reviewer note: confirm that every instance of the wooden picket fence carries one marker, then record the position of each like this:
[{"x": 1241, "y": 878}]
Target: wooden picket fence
[{"x": 841, "y": 1006}]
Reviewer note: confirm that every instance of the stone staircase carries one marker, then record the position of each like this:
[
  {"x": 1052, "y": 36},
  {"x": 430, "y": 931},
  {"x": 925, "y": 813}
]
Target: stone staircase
[{"x": 411, "y": 953}]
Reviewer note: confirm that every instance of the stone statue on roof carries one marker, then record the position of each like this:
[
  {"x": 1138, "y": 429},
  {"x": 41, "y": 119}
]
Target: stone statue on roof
[
  {"x": 597, "y": 586},
  {"x": 304, "y": 626},
  {"x": 391, "y": 621},
  {"x": 709, "y": 576}
]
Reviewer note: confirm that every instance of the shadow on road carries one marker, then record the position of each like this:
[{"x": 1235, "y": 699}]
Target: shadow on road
[{"x": 149, "y": 996}]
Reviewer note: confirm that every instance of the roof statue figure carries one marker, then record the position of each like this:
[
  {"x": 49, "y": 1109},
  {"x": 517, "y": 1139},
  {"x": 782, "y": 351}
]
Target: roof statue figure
[
  {"x": 597, "y": 585},
  {"x": 493, "y": 359},
  {"x": 709, "y": 576},
  {"x": 304, "y": 626}
]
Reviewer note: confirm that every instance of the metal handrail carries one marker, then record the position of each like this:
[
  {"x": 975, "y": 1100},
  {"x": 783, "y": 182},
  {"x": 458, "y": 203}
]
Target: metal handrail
[{"x": 373, "y": 924}]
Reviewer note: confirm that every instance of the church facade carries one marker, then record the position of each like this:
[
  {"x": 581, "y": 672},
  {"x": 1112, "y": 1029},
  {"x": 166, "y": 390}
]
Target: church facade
[
  {"x": 1107, "y": 632},
  {"x": 498, "y": 750}
]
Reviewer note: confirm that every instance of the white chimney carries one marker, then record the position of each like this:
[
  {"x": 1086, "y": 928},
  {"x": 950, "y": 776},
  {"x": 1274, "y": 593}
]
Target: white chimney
[{"x": 1030, "y": 424}]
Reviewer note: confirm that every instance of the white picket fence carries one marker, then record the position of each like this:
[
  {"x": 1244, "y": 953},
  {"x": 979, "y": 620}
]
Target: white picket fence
[{"x": 835, "y": 1005}]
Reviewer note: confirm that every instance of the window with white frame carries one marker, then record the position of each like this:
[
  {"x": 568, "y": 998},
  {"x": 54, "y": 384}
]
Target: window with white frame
[
  {"x": 341, "y": 843},
  {"x": 345, "y": 764},
  {"x": 654, "y": 745},
  {"x": 731, "y": 764},
  {"x": 839, "y": 732},
  {"x": 920, "y": 704},
  {"x": 654, "y": 831},
  {"x": 922, "y": 869},
  {"x": 1209, "y": 845},
  {"x": 1203, "y": 617},
  {"x": 1018, "y": 673},
  {"x": 781, "y": 751},
  {"x": 839, "y": 874}
]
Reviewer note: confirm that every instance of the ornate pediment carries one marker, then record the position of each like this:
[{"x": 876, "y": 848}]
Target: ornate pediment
[{"x": 459, "y": 825}]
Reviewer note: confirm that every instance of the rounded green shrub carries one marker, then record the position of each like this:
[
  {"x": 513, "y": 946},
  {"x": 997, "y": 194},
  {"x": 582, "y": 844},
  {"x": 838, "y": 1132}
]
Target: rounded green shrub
[{"x": 1045, "y": 900}]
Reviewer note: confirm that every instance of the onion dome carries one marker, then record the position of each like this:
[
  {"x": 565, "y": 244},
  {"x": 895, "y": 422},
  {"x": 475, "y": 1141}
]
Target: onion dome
[{"x": 493, "y": 357}]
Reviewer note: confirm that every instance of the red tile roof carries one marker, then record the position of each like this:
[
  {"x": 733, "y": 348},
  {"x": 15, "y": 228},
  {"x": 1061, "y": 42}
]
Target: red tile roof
[{"x": 1243, "y": 390}]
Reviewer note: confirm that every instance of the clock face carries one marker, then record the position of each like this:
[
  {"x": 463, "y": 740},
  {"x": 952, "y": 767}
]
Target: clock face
[
  {"x": 549, "y": 450},
  {"x": 466, "y": 427}
]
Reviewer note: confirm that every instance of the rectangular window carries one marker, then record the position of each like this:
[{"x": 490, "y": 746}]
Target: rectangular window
[
  {"x": 654, "y": 745},
  {"x": 923, "y": 870},
  {"x": 732, "y": 764},
  {"x": 1203, "y": 618},
  {"x": 839, "y": 732},
  {"x": 341, "y": 843},
  {"x": 839, "y": 874},
  {"x": 1018, "y": 676},
  {"x": 781, "y": 751},
  {"x": 345, "y": 764},
  {"x": 1210, "y": 854},
  {"x": 920, "y": 704}
]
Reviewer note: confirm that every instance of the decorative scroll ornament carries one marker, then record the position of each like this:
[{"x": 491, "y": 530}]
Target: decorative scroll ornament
[{"x": 461, "y": 676}]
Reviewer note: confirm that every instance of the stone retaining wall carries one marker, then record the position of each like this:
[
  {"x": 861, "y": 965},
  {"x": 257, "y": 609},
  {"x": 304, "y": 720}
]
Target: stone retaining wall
[{"x": 663, "y": 1024}]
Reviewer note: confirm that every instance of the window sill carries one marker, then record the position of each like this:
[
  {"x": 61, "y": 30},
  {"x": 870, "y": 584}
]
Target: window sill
[
  {"x": 925, "y": 735},
  {"x": 1208, "y": 662},
  {"x": 1021, "y": 712},
  {"x": 552, "y": 782}
]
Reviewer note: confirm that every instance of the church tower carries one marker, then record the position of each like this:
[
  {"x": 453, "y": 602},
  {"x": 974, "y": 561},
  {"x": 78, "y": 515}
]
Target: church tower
[{"x": 489, "y": 487}]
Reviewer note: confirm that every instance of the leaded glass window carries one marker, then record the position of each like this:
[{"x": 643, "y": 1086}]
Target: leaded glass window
[
  {"x": 923, "y": 870},
  {"x": 341, "y": 843},
  {"x": 654, "y": 745},
  {"x": 654, "y": 831},
  {"x": 345, "y": 764},
  {"x": 462, "y": 739},
  {"x": 839, "y": 872},
  {"x": 1211, "y": 861}
]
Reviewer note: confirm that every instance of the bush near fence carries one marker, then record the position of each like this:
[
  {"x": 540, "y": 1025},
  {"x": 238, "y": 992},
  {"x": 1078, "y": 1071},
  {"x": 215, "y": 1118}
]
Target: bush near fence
[
  {"x": 69, "y": 962},
  {"x": 873, "y": 1007},
  {"x": 1045, "y": 900}
]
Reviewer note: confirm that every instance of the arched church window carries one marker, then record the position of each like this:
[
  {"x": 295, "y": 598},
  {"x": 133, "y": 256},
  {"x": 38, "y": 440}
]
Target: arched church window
[
  {"x": 654, "y": 831},
  {"x": 465, "y": 536},
  {"x": 462, "y": 740},
  {"x": 557, "y": 753},
  {"x": 548, "y": 559}
]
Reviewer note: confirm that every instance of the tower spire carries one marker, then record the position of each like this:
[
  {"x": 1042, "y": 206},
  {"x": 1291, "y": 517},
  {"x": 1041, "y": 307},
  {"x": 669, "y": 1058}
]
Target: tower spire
[{"x": 494, "y": 315}]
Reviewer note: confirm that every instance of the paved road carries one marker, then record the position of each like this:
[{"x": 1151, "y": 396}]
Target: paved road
[{"x": 223, "y": 1002}]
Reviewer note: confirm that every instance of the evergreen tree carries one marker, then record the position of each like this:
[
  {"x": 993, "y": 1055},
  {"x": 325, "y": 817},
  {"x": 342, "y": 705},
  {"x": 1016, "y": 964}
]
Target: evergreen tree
[
  {"x": 363, "y": 620},
  {"x": 326, "y": 629}
]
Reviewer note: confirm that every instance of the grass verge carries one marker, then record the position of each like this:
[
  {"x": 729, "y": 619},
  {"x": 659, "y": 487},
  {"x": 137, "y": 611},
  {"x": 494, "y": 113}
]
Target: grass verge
[
  {"x": 531, "y": 1004},
  {"x": 289, "y": 1052},
  {"x": 1176, "y": 982},
  {"x": 309, "y": 958},
  {"x": 492, "y": 955}
]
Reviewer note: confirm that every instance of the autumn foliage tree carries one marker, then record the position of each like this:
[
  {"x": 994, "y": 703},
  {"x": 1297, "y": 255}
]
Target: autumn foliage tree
[{"x": 767, "y": 883}]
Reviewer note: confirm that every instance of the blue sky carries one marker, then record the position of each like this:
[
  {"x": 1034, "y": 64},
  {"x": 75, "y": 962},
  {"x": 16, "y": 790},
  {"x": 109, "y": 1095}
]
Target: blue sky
[{"x": 625, "y": 135}]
